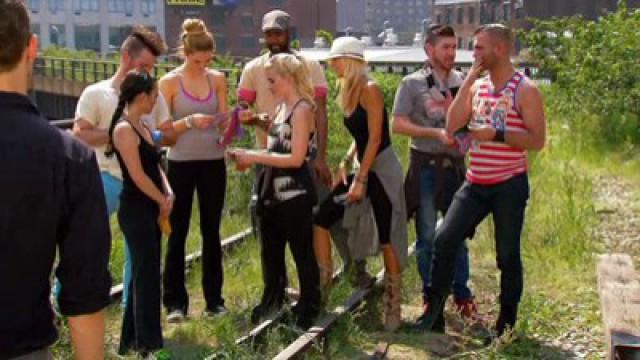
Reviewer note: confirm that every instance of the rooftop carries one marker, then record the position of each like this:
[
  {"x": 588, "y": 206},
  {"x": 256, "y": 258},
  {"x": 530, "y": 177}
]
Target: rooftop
[
  {"x": 455, "y": 2},
  {"x": 392, "y": 55}
]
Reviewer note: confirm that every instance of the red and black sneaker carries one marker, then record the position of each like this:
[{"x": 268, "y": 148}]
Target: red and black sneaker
[{"x": 468, "y": 309}]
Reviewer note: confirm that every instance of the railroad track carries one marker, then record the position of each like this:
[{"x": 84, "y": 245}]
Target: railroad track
[
  {"x": 228, "y": 243},
  {"x": 320, "y": 329},
  {"x": 261, "y": 328}
]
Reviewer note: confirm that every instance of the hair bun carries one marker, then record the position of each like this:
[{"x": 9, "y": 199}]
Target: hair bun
[{"x": 193, "y": 27}]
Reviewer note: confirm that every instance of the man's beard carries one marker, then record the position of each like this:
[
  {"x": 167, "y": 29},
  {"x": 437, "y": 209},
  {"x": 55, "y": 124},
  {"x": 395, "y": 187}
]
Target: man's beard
[
  {"x": 277, "y": 49},
  {"x": 442, "y": 65}
]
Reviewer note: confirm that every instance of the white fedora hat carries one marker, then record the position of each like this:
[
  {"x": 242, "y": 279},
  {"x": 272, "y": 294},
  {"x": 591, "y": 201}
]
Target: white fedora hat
[{"x": 347, "y": 46}]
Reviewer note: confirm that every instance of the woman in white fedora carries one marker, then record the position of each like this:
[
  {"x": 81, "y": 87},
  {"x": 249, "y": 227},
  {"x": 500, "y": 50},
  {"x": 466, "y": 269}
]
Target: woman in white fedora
[{"x": 375, "y": 184}]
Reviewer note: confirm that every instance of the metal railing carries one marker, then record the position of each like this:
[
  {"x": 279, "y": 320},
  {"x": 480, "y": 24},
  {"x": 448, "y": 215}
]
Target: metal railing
[{"x": 89, "y": 70}]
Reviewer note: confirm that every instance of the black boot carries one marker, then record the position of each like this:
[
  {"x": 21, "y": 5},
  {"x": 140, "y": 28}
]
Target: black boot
[
  {"x": 433, "y": 318},
  {"x": 506, "y": 320}
]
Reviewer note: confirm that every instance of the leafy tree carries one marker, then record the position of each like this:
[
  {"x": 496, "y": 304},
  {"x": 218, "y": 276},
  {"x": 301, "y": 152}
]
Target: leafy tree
[{"x": 595, "y": 69}]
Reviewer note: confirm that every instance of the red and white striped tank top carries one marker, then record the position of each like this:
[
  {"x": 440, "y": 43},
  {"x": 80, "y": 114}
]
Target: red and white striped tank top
[{"x": 493, "y": 162}]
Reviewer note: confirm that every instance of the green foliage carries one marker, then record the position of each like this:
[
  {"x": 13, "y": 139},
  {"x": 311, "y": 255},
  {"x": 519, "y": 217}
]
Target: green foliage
[
  {"x": 595, "y": 70},
  {"x": 326, "y": 35},
  {"x": 67, "y": 53},
  {"x": 295, "y": 44}
]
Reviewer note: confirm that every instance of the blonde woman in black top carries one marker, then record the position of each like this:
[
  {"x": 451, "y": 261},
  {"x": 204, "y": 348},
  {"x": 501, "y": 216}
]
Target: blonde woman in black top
[{"x": 285, "y": 189}]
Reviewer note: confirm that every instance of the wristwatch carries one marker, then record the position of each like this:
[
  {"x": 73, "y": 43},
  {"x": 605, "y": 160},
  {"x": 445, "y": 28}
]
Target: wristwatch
[{"x": 188, "y": 122}]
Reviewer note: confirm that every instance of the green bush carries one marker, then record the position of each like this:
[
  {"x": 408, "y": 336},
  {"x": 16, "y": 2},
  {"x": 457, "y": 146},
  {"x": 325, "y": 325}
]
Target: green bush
[{"x": 595, "y": 71}]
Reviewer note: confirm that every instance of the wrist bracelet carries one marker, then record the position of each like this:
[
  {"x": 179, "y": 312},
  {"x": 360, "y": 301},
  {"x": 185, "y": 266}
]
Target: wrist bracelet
[
  {"x": 499, "y": 136},
  {"x": 156, "y": 136},
  {"x": 188, "y": 122}
]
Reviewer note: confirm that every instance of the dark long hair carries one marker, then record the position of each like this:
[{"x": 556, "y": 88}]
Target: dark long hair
[{"x": 136, "y": 82}]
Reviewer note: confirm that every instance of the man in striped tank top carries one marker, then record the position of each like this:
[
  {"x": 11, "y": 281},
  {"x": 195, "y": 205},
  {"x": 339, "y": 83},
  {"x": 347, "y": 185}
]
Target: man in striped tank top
[{"x": 505, "y": 117}]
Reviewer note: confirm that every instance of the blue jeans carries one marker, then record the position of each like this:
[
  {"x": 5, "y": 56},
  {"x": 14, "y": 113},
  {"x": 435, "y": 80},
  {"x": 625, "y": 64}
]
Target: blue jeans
[
  {"x": 112, "y": 187},
  {"x": 426, "y": 217},
  {"x": 506, "y": 202}
]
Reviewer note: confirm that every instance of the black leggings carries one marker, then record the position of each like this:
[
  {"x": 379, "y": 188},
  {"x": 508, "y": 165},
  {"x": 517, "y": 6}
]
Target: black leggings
[
  {"x": 141, "y": 323},
  {"x": 209, "y": 179},
  {"x": 290, "y": 222},
  {"x": 332, "y": 208}
]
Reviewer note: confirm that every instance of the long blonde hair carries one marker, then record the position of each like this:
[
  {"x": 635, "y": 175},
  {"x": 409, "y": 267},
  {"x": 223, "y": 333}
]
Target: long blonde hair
[
  {"x": 294, "y": 66},
  {"x": 351, "y": 83}
]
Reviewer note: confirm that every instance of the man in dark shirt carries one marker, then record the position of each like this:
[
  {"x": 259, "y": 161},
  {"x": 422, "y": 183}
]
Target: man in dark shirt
[{"x": 51, "y": 199}]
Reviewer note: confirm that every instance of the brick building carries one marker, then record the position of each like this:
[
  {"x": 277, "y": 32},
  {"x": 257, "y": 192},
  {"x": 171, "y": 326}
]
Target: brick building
[
  {"x": 368, "y": 17},
  {"x": 236, "y": 24},
  {"x": 466, "y": 15}
]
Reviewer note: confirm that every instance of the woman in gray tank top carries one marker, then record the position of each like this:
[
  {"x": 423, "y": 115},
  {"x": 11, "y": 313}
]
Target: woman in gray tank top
[{"x": 194, "y": 94}]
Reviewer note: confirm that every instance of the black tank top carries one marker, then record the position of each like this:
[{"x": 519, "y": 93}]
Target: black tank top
[
  {"x": 358, "y": 126},
  {"x": 278, "y": 185},
  {"x": 150, "y": 159}
]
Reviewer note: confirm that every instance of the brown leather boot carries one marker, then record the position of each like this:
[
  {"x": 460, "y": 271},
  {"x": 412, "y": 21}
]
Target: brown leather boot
[
  {"x": 322, "y": 250},
  {"x": 391, "y": 300}
]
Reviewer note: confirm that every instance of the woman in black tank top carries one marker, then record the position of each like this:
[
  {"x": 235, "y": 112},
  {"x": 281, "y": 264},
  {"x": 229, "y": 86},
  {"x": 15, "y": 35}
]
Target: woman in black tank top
[
  {"x": 285, "y": 191},
  {"x": 366, "y": 120},
  {"x": 145, "y": 203}
]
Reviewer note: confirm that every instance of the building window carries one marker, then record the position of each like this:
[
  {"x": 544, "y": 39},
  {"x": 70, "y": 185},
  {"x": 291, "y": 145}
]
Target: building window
[
  {"x": 121, "y": 6},
  {"x": 56, "y": 5},
  {"x": 148, "y": 7},
  {"x": 217, "y": 18},
  {"x": 117, "y": 34},
  {"x": 439, "y": 19},
  {"x": 58, "y": 35},
  {"x": 87, "y": 37},
  {"x": 470, "y": 43},
  {"x": 449, "y": 16},
  {"x": 472, "y": 15},
  {"x": 246, "y": 20},
  {"x": 221, "y": 44},
  {"x": 460, "y": 16},
  {"x": 275, "y": 2},
  {"x": 35, "y": 29},
  {"x": 459, "y": 43},
  {"x": 85, "y": 5},
  {"x": 506, "y": 8},
  {"x": 248, "y": 41},
  {"x": 520, "y": 13},
  {"x": 34, "y": 5}
]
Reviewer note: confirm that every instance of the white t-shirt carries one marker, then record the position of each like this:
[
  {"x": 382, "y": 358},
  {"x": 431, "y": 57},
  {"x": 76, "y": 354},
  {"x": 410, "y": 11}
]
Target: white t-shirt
[{"x": 97, "y": 104}]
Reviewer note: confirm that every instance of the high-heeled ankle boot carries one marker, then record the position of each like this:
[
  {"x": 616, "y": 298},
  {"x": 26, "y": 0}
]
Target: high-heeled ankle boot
[{"x": 392, "y": 299}]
